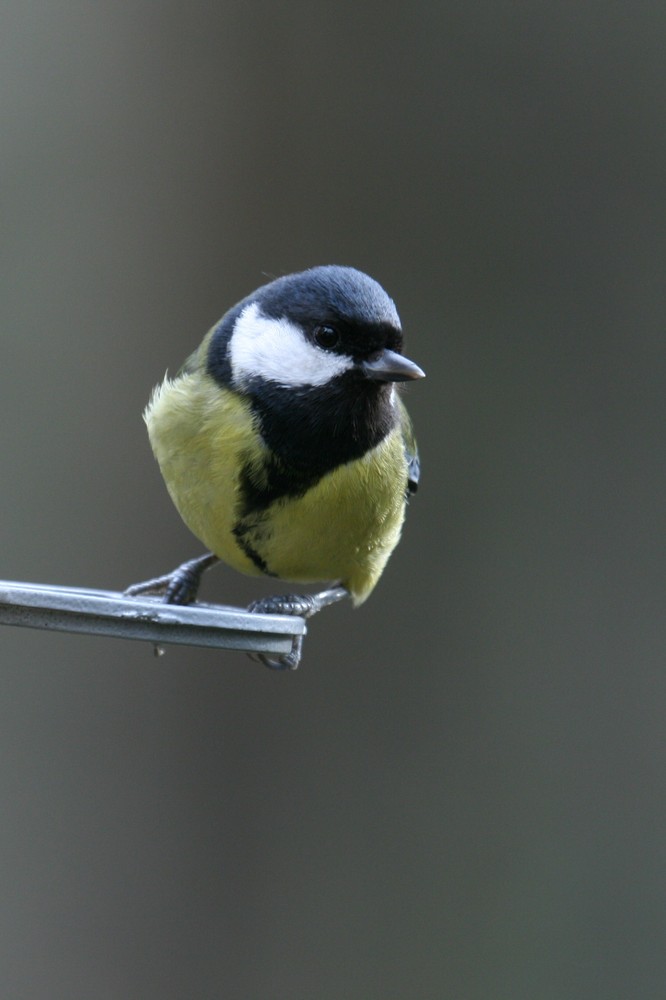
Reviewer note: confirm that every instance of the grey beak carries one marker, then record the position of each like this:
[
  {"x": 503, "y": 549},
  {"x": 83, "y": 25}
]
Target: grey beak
[{"x": 389, "y": 366}]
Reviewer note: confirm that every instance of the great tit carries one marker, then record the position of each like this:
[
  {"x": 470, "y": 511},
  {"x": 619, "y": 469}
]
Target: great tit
[{"x": 284, "y": 444}]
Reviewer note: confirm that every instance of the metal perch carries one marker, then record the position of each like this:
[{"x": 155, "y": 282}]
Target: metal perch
[{"x": 105, "y": 612}]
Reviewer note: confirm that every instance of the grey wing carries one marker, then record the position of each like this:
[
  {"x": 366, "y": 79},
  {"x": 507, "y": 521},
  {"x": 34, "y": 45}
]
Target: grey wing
[
  {"x": 411, "y": 450},
  {"x": 413, "y": 472}
]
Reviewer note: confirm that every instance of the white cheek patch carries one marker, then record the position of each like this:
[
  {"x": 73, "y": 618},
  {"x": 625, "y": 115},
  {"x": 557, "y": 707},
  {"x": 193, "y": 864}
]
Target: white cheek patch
[{"x": 277, "y": 350}]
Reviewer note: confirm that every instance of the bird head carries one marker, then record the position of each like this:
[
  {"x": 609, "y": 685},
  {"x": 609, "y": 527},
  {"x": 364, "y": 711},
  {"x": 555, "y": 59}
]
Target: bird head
[{"x": 321, "y": 327}]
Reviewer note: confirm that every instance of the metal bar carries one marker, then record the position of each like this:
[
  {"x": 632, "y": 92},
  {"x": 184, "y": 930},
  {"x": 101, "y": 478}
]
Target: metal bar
[{"x": 104, "y": 612}]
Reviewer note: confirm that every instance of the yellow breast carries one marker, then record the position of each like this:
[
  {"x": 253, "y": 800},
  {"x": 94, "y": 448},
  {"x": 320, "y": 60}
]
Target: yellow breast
[{"x": 343, "y": 528}]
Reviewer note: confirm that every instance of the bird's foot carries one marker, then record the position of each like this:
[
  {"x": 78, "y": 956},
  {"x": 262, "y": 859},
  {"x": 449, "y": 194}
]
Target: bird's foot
[
  {"x": 178, "y": 587},
  {"x": 302, "y": 605}
]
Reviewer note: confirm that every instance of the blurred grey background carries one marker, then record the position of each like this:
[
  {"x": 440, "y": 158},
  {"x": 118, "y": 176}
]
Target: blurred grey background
[{"x": 461, "y": 793}]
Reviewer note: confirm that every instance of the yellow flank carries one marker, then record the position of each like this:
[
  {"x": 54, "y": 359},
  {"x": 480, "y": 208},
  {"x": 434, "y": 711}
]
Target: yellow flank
[
  {"x": 342, "y": 529},
  {"x": 197, "y": 433}
]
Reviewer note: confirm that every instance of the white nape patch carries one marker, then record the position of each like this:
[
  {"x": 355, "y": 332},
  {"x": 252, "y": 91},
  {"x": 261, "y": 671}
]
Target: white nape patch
[{"x": 278, "y": 351}]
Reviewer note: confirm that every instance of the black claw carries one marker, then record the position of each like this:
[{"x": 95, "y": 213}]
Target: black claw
[
  {"x": 288, "y": 661},
  {"x": 183, "y": 585},
  {"x": 178, "y": 587}
]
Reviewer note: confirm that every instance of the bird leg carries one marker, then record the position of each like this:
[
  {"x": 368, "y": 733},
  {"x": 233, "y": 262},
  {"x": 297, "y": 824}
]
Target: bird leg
[
  {"x": 178, "y": 587},
  {"x": 303, "y": 605}
]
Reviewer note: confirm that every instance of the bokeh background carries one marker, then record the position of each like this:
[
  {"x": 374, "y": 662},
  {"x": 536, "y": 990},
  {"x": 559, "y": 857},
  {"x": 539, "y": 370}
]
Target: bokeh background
[{"x": 461, "y": 793}]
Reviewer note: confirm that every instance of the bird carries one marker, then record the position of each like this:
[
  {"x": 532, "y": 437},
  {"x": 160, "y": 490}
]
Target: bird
[{"x": 285, "y": 445}]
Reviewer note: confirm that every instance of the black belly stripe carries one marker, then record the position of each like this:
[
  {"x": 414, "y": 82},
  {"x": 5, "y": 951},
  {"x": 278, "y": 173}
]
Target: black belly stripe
[
  {"x": 259, "y": 492},
  {"x": 240, "y": 531}
]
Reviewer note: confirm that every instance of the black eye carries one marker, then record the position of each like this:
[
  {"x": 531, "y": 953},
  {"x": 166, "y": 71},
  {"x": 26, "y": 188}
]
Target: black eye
[{"x": 326, "y": 337}]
